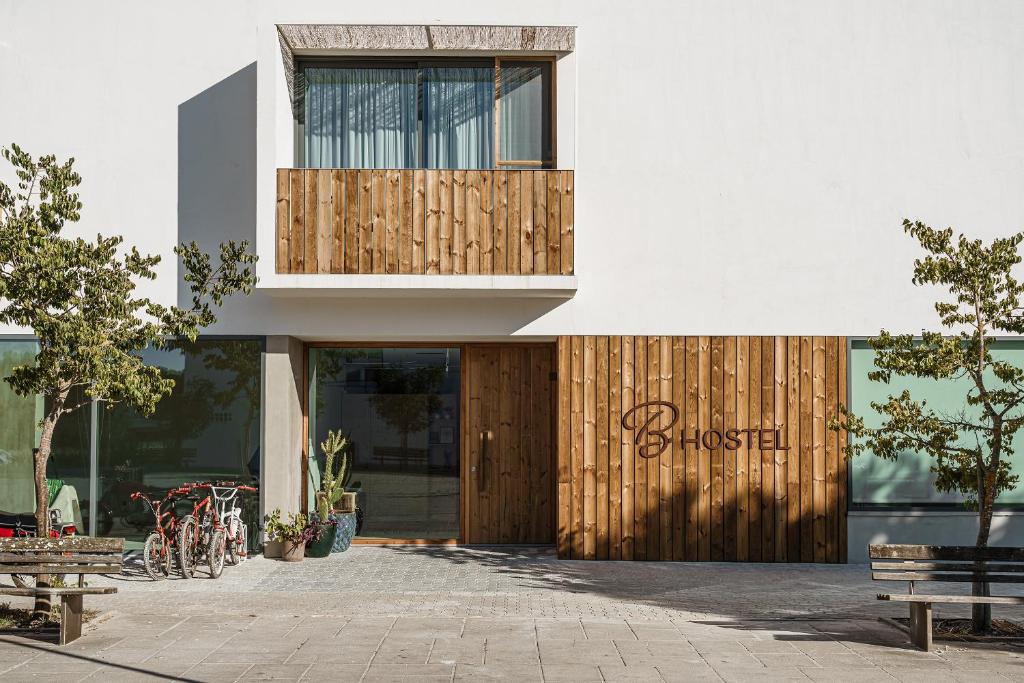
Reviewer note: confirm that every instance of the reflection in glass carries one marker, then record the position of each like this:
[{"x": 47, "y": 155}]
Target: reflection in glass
[
  {"x": 206, "y": 429},
  {"x": 909, "y": 478},
  {"x": 19, "y": 420},
  {"x": 524, "y": 103},
  {"x": 19, "y": 435},
  {"x": 69, "y": 456},
  {"x": 400, "y": 410}
]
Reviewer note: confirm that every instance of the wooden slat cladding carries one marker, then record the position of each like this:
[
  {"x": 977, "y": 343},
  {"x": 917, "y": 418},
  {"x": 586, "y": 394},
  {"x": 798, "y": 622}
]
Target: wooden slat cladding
[
  {"x": 510, "y": 480},
  {"x": 748, "y": 472},
  {"x": 425, "y": 222}
]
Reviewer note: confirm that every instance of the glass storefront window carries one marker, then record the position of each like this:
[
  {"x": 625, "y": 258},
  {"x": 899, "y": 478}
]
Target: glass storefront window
[
  {"x": 19, "y": 436},
  {"x": 908, "y": 479},
  {"x": 206, "y": 430},
  {"x": 399, "y": 407},
  {"x": 19, "y": 421}
]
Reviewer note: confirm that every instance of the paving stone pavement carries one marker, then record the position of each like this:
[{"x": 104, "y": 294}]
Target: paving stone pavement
[{"x": 442, "y": 613}]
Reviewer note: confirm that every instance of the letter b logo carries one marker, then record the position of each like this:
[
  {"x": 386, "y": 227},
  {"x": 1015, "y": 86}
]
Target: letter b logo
[{"x": 650, "y": 441}]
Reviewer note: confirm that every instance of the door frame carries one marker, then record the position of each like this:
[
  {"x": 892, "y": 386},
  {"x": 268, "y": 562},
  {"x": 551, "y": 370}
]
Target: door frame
[{"x": 463, "y": 347}]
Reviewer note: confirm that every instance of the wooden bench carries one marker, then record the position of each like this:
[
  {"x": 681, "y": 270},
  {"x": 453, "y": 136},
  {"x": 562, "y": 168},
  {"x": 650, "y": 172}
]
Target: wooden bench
[
  {"x": 944, "y": 564},
  {"x": 30, "y": 557}
]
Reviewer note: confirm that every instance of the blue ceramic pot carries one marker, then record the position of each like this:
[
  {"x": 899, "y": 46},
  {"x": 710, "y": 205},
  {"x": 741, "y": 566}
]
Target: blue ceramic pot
[{"x": 345, "y": 531}]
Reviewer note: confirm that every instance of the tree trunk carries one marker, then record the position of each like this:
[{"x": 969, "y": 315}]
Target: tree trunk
[
  {"x": 42, "y": 454},
  {"x": 981, "y": 615}
]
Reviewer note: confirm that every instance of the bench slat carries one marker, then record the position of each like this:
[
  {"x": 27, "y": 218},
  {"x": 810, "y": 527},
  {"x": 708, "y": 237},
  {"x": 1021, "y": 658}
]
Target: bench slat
[
  {"x": 969, "y": 599},
  {"x": 33, "y": 556},
  {"x": 971, "y": 577},
  {"x": 87, "y": 590},
  {"x": 884, "y": 551},
  {"x": 85, "y": 544},
  {"x": 61, "y": 569},
  {"x": 950, "y": 566}
]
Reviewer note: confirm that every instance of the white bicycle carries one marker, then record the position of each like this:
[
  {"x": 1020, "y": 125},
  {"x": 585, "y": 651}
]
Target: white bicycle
[{"x": 225, "y": 498}]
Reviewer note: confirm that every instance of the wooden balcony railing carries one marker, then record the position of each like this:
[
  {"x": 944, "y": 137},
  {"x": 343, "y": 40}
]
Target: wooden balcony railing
[{"x": 425, "y": 222}]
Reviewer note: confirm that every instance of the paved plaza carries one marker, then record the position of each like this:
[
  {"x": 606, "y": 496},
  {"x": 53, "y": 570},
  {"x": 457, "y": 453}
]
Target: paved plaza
[{"x": 442, "y": 613}]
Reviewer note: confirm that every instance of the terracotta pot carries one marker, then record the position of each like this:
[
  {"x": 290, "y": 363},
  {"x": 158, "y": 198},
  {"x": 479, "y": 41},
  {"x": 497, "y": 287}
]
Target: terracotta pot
[
  {"x": 292, "y": 551},
  {"x": 272, "y": 549}
]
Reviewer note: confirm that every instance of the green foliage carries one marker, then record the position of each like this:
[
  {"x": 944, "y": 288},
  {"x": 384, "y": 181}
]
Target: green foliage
[
  {"x": 971, "y": 447},
  {"x": 78, "y": 298},
  {"x": 296, "y": 530},
  {"x": 333, "y": 486}
]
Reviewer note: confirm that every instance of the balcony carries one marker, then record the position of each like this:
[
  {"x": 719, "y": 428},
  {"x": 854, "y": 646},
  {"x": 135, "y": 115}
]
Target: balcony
[{"x": 495, "y": 230}]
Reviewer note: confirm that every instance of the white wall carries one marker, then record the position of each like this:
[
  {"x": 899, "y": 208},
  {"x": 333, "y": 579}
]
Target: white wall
[
  {"x": 741, "y": 167},
  {"x": 927, "y": 527}
]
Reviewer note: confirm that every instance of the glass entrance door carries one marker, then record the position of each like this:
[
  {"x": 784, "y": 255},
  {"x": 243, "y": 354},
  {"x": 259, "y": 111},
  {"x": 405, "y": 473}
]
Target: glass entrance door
[{"x": 399, "y": 409}]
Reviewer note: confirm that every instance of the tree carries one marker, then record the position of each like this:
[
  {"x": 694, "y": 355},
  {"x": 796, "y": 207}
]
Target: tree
[
  {"x": 243, "y": 367},
  {"x": 405, "y": 398},
  {"x": 971, "y": 447},
  {"x": 78, "y": 298}
]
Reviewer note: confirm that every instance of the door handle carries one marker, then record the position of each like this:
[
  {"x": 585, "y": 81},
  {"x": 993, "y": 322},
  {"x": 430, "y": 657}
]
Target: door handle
[{"x": 486, "y": 437}]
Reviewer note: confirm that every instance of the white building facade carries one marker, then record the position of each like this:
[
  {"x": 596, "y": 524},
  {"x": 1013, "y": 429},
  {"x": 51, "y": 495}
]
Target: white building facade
[{"x": 480, "y": 227}]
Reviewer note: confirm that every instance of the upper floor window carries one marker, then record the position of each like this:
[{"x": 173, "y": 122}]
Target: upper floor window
[{"x": 453, "y": 114}]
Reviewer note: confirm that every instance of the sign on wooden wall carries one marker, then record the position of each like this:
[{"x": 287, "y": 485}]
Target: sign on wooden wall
[{"x": 701, "y": 448}]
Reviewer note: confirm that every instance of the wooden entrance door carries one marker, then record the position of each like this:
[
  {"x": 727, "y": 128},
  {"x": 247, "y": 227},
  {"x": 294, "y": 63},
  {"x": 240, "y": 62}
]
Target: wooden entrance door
[{"x": 509, "y": 444}]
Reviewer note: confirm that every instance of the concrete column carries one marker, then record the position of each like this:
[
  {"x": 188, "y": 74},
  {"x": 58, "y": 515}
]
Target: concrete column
[{"x": 281, "y": 425}]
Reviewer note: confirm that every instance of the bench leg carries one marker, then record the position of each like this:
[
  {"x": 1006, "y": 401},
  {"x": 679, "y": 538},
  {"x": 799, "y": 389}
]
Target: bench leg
[
  {"x": 921, "y": 625},
  {"x": 70, "y": 618}
]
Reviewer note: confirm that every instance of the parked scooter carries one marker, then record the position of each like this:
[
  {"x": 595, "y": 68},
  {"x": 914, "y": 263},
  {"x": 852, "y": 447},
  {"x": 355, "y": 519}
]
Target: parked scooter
[{"x": 15, "y": 525}]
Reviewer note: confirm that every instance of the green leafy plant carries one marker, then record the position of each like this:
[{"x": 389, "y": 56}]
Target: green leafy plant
[
  {"x": 332, "y": 486},
  {"x": 296, "y": 530},
  {"x": 970, "y": 448},
  {"x": 78, "y": 298}
]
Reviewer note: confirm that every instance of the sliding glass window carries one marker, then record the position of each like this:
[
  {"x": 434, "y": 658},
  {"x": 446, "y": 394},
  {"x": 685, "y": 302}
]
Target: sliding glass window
[
  {"x": 426, "y": 114},
  {"x": 361, "y": 117},
  {"x": 524, "y": 107},
  {"x": 399, "y": 409}
]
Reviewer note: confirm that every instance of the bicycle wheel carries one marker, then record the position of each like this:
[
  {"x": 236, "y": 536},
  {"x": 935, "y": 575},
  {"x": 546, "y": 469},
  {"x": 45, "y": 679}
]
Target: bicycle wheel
[
  {"x": 237, "y": 546},
  {"x": 215, "y": 553},
  {"x": 187, "y": 549},
  {"x": 242, "y": 546},
  {"x": 153, "y": 555},
  {"x": 29, "y": 580}
]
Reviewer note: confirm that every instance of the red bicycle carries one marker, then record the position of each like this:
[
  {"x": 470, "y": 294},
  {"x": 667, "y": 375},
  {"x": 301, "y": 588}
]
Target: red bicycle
[
  {"x": 201, "y": 534},
  {"x": 156, "y": 552}
]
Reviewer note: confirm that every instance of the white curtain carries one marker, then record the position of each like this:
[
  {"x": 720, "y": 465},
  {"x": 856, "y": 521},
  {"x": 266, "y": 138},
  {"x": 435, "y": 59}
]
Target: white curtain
[
  {"x": 360, "y": 118},
  {"x": 522, "y": 113},
  {"x": 458, "y": 110}
]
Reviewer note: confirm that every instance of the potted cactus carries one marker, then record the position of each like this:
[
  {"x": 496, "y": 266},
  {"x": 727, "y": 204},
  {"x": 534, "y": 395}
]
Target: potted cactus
[
  {"x": 332, "y": 495},
  {"x": 332, "y": 498}
]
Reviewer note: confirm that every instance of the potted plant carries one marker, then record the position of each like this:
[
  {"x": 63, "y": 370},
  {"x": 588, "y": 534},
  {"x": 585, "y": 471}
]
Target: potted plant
[
  {"x": 335, "y": 506},
  {"x": 293, "y": 534}
]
